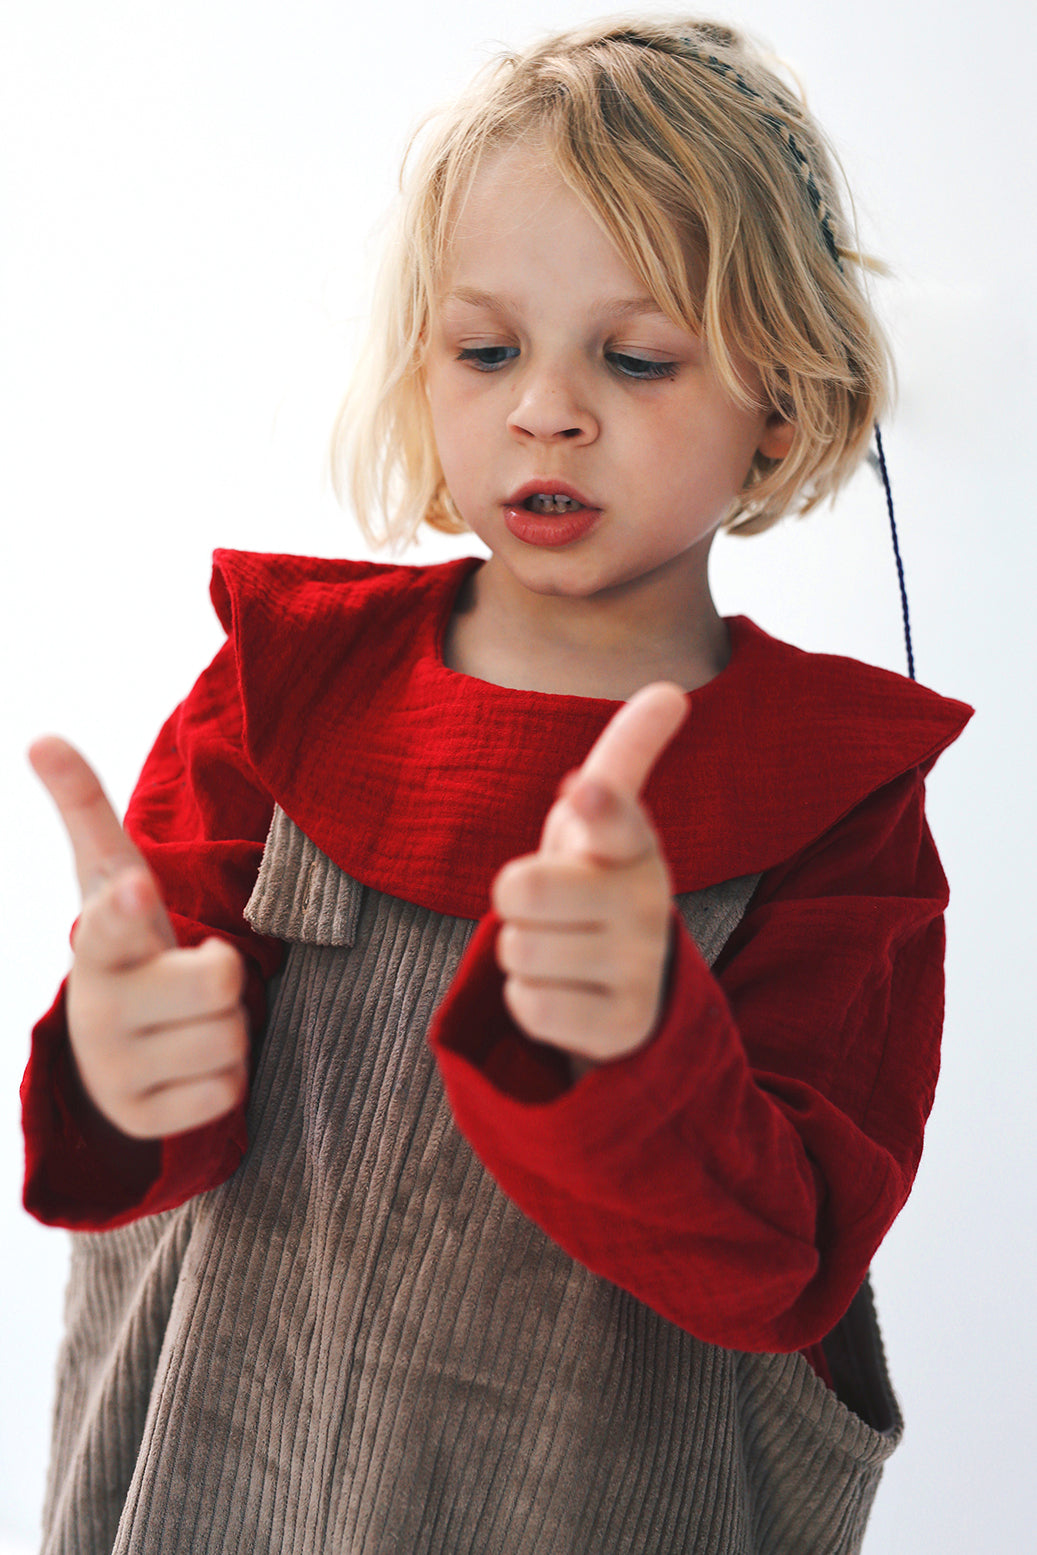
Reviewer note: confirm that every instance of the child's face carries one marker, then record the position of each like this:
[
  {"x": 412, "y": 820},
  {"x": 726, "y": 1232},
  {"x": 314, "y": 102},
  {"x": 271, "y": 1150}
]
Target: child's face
[{"x": 547, "y": 363}]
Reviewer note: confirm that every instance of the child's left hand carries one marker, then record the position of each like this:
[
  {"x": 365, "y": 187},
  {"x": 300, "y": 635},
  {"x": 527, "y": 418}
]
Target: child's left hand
[{"x": 586, "y": 919}]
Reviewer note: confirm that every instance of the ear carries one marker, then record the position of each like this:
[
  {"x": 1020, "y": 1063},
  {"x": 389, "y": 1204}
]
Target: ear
[{"x": 777, "y": 436}]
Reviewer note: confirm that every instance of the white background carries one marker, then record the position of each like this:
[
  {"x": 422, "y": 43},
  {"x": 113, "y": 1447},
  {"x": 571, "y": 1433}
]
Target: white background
[{"x": 188, "y": 197}]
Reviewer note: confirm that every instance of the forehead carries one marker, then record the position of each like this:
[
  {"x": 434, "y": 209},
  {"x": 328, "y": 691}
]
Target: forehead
[
  {"x": 518, "y": 220},
  {"x": 511, "y": 188},
  {"x": 519, "y": 217},
  {"x": 512, "y": 167}
]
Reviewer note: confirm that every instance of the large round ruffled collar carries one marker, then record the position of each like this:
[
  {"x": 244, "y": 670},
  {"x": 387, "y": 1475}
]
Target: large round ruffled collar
[{"x": 422, "y": 782}]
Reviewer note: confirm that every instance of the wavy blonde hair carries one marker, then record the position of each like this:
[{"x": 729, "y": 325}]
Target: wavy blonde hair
[{"x": 677, "y": 134}]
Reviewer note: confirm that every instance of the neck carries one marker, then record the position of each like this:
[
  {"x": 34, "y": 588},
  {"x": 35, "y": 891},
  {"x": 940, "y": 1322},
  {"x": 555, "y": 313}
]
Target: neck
[{"x": 606, "y": 645}]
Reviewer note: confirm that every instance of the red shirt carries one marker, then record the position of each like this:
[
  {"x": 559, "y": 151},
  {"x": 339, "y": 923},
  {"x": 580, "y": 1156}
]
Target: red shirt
[{"x": 738, "y": 1172}]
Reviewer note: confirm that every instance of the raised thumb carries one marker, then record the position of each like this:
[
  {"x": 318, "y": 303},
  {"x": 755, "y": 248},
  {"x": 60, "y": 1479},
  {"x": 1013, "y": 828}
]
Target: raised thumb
[{"x": 591, "y": 820}]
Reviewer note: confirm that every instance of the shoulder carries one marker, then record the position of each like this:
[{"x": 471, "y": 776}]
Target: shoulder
[
  {"x": 295, "y": 621},
  {"x": 839, "y": 704},
  {"x": 781, "y": 746},
  {"x": 293, "y": 595}
]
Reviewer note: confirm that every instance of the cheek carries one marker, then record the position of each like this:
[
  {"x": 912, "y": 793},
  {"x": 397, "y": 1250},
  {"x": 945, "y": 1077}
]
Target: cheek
[
  {"x": 441, "y": 412},
  {"x": 720, "y": 437},
  {"x": 451, "y": 406},
  {"x": 464, "y": 413},
  {"x": 454, "y": 431},
  {"x": 695, "y": 461}
]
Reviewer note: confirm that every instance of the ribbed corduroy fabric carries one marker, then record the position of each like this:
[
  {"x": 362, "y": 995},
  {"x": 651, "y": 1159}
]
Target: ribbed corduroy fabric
[{"x": 359, "y": 1344}]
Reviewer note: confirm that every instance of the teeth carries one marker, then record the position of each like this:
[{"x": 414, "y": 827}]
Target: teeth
[{"x": 541, "y": 502}]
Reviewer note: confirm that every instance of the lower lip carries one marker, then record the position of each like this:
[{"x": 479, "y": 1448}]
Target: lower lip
[{"x": 550, "y": 528}]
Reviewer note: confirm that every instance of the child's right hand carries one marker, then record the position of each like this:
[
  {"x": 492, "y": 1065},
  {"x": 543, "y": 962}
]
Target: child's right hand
[{"x": 159, "y": 1034}]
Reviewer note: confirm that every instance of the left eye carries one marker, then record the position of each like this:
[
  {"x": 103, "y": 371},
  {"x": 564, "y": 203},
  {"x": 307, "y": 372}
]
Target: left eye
[
  {"x": 486, "y": 359},
  {"x": 640, "y": 367}
]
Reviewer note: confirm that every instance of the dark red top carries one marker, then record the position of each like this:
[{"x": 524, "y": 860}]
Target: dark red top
[{"x": 738, "y": 1172}]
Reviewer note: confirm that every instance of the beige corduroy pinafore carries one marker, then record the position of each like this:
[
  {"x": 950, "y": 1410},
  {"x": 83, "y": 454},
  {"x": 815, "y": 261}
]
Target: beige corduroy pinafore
[{"x": 359, "y": 1344}]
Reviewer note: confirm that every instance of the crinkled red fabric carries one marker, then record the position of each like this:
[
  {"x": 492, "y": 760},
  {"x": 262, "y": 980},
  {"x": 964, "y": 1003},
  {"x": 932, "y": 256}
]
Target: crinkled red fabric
[
  {"x": 200, "y": 816},
  {"x": 738, "y": 1172}
]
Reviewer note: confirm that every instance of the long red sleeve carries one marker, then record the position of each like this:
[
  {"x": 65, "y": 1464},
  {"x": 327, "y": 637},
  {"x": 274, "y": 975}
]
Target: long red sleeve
[
  {"x": 739, "y": 1171},
  {"x": 200, "y": 816}
]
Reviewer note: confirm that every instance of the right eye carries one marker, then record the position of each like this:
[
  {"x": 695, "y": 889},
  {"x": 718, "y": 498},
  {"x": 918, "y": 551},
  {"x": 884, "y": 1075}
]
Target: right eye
[
  {"x": 642, "y": 369},
  {"x": 487, "y": 359}
]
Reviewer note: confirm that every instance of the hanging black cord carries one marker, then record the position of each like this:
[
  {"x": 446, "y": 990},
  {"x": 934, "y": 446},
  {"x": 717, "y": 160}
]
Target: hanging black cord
[
  {"x": 696, "y": 50},
  {"x": 883, "y": 471}
]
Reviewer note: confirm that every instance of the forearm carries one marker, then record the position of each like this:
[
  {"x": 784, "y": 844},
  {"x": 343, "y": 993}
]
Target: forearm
[{"x": 738, "y": 1171}]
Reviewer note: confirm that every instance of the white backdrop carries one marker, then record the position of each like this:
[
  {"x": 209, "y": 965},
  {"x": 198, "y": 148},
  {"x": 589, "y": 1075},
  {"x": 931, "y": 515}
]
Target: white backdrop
[{"x": 189, "y": 193}]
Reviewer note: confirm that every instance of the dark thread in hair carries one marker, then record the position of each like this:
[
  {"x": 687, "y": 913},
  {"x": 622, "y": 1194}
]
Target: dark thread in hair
[
  {"x": 788, "y": 140},
  {"x": 821, "y": 211}
]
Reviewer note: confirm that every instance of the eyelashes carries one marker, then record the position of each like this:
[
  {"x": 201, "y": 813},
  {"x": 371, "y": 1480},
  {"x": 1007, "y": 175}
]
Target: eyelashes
[
  {"x": 487, "y": 359},
  {"x": 490, "y": 359},
  {"x": 640, "y": 367}
]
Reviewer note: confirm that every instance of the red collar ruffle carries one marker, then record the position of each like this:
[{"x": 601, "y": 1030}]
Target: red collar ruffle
[{"x": 422, "y": 782}]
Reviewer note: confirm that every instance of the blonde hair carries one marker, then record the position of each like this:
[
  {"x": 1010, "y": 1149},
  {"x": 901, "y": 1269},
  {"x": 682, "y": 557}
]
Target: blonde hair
[{"x": 675, "y": 133}]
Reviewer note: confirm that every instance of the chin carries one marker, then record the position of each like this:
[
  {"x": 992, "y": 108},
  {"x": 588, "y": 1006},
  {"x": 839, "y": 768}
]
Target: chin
[{"x": 555, "y": 572}]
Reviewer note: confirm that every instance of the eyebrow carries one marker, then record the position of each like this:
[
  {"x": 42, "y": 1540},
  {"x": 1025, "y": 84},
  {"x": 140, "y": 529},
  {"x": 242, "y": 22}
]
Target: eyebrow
[{"x": 615, "y": 308}]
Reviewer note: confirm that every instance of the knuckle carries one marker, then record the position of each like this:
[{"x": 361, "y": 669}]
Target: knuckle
[
  {"x": 92, "y": 923},
  {"x": 650, "y": 923},
  {"x": 645, "y": 964},
  {"x": 538, "y": 1004},
  {"x": 624, "y": 959},
  {"x": 95, "y": 1013},
  {"x": 536, "y": 891},
  {"x": 105, "y": 933},
  {"x": 128, "y": 1076},
  {"x": 221, "y": 1092},
  {"x": 631, "y": 1012},
  {"x": 513, "y": 948},
  {"x": 527, "y": 1004},
  {"x": 514, "y": 888},
  {"x": 151, "y": 1117},
  {"x": 179, "y": 1108},
  {"x": 220, "y": 973},
  {"x": 233, "y": 1031},
  {"x": 610, "y": 1025},
  {"x": 217, "y": 1045},
  {"x": 138, "y": 1119}
]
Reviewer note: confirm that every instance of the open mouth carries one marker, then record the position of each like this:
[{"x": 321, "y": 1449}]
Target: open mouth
[
  {"x": 544, "y": 502},
  {"x": 568, "y": 519}
]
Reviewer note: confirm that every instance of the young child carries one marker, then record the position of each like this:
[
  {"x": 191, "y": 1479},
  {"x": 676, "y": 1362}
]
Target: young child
[{"x": 503, "y": 1033}]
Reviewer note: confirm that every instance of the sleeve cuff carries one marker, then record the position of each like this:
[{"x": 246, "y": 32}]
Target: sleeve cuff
[
  {"x": 514, "y": 1095},
  {"x": 83, "y": 1173}
]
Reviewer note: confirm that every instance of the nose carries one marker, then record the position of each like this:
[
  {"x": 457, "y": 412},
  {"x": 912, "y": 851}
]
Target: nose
[{"x": 551, "y": 408}]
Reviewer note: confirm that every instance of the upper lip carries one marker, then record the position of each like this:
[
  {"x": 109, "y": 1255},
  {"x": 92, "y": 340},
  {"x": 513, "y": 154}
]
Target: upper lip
[{"x": 550, "y": 488}]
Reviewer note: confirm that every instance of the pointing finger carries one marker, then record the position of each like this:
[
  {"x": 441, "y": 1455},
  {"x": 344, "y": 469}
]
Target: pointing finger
[
  {"x": 628, "y": 748},
  {"x": 101, "y": 847},
  {"x": 123, "y": 923}
]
